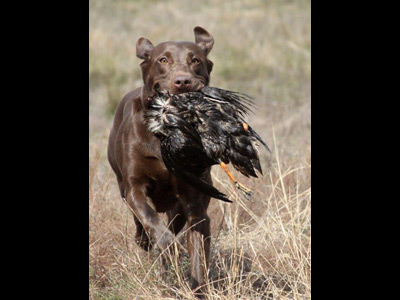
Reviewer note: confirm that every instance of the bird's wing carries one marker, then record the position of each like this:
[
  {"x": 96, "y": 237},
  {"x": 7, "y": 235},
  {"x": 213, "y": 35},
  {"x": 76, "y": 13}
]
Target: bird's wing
[
  {"x": 238, "y": 101},
  {"x": 241, "y": 103},
  {"x": 177, "y": 123},
  {"x": 186, "y": 160}
]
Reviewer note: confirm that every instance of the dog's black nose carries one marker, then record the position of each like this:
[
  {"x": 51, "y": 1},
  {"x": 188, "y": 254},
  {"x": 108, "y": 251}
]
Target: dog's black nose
[{"x": 182, "y": 81}]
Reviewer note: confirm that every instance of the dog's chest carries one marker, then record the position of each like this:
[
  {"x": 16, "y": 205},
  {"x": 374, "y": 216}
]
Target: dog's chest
[{"x": 161, "y": 188}]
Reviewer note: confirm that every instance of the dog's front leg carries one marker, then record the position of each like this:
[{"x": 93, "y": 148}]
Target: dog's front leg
[
  {"x": 150, "y": 220},
  {"x": 199, "y": 248},
  {"x": 198, "y": 237}
]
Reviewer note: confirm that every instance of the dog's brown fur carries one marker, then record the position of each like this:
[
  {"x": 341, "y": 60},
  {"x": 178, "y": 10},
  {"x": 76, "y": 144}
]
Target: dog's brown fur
[{"x": 134, "y": 153}]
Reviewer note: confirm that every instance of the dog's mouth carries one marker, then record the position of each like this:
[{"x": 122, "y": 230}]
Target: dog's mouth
[{"x": 158, "y": 88}]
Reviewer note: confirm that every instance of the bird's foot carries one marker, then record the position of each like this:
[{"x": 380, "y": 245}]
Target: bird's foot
[{"x": 245, "y": 190}]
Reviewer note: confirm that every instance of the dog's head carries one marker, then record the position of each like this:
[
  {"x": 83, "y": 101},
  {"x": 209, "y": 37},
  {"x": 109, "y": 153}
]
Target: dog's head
[{"x": 176, "y": 67}]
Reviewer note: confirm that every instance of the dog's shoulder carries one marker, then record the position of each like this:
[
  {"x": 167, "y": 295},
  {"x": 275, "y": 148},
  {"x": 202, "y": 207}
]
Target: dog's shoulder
[
  {"x": 129, "y": 101},
  {"x": 124, "y": 111}
]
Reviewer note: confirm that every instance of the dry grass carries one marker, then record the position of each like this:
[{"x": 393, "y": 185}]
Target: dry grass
[{"x": 260, "y": 248}]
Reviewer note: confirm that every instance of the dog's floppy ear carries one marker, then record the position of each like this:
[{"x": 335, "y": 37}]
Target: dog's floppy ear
[
  {"x": 203, "y": 39},
  {"x": 143, "y": 48}
]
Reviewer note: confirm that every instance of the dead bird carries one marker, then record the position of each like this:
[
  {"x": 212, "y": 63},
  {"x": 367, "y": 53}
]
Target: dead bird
[{"x": 205, "y": 128}]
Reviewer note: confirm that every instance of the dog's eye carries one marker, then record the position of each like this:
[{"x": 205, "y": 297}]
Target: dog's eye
[
  {"x": 163, "y": 60},
  {"x": 195, "y": 61}
]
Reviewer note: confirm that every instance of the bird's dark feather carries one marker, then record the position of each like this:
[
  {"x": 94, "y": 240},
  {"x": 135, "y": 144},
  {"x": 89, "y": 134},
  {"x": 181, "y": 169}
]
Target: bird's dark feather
[
  {"x": 201, "y": 129},
  {"x": 186, "y": 159}
]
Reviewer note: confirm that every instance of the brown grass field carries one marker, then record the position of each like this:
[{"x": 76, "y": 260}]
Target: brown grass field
[{"x": 261, "y": 249}]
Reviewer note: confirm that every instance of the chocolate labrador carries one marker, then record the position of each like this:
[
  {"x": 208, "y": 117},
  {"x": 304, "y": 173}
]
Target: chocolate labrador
[{"x": 134, "y": 153}]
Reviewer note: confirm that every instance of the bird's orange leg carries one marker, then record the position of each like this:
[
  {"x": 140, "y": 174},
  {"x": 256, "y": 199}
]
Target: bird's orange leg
[
  {"x": 245, "y": 126},
  {"x": 237, "y": 184}
]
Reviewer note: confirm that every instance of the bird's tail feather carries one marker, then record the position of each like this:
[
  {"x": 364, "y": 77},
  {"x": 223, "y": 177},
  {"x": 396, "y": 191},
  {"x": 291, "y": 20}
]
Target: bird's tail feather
[
  {"x": 201, "y": 185},
  {"x": 260, "y": 140}
]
